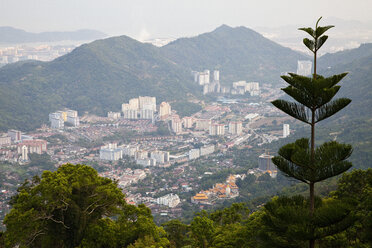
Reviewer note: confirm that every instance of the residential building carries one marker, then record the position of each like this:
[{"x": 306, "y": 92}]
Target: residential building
[
  {"x": 160, "y": 156},
  {"x": 304, "y": 67},
  {"x": 147, "y": 114},
  {"x": 176, "y": 125},
  {"x": 15, "y": 135},
  {"x": 203, "y": 124},
  {"x": 134, "y": 104},
  {"x": 113, "y": 115},
  {"x": 33, "y": 146},
  {"x": 5, "y": 140},
  {"x": 187, "y": 122},
  {"x": 235, "y": 127},
  {"x": 216, "y": 76},
  {"x": 164, "y": 110},
  {"x": 110, "y": 152},
  {"x": 56, "y": 123},
  {"x": 73, "y": 120},
  {"x": 146, "y": 162},
  {"x": 147, "y": 102},
  {"x": 170, "y": 200},
  {"x": 286, "y": 131},
  {"x": 194, "y": 154},
  {"x": 217, "y": 129},
  {"x": 206, "y": 150},
  {"x": 141, "y": 154},
  {"x": 265, "y": 163},
  {"x": 130, "y": 150},
  {"x": 130, "y": 114},
  {"x": 24, "y": 151}
]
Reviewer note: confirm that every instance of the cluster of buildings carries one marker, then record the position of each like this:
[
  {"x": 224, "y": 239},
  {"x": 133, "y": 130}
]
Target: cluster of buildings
[
  {"x": 170, "y": 200},
  {"x": 202, "y": 151},
  {"x": 142, "y": 107},
  {"x": 213, "y": 85},
  {"x": 12, "y": 54},
  {"x": 57, "y": 119},
  {"x": 23, "y": 144},
  {"x": 112, "y": 152},
  {"x": 208, "y": 125},
  {"x": 126, "y": 177},
  {"x": 113, "y": 115},
  {"x": 38, "y": 146},
  {"x": 242, "y": 87},
  {"x": 204, "y": 79},
  {"x": 226, "y": 190}
]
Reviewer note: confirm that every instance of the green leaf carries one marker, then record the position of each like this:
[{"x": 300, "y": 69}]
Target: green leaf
[
  {"x": 321, "y": 41},
  {"x": 309, "y": 44},
  {"x": 308, "y": 30},
  {"x": 321, "y": 30}
]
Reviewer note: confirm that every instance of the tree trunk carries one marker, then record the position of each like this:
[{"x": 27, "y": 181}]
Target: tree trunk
[{"x": 312, "y": 198}]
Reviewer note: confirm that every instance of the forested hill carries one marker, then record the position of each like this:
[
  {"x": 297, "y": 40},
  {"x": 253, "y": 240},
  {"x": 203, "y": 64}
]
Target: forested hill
[
  {"x": 357, "y": 85},
  {"x": 353, "y": 124},
  {"x": 330, "y": 60},
  {"x": 100, "y": 76},
  {"x": 240, "y": 53},
  {"x": 96, "y": 77}
]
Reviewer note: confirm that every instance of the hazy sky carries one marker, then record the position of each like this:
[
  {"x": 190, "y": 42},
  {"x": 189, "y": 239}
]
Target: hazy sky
[{"x": 143, "y": 19}]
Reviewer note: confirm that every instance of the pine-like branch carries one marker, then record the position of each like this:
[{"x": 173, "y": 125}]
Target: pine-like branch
[
  {"x": 330, "y": 109},
  {"x": 295, "y": 110}
]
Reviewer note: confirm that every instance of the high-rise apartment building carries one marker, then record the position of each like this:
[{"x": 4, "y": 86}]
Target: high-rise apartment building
[
  {"x": 113, "y": 115},
  {"x": 160, "y": 156},
  {"x": 203, "y": 124},
  {"x": 304, "y": 67},
  {"x": 217, "y": 129},
  {"x": 110, "y": 152},
  {"x": 286, "y": 131},
  {"x": 147, "y": 114},
  {"x": 194, "y": 154},
  {"x": 5, "y": 140},
  {"x": 164, "y": 110},
  {"x": 265, "y": 163},
  {"x": 176, "y": 125},
  {"x": 147, "y": 102},
  {"x": 216, "y": 75},
  {"x": 235, "y": 127},
  {"x": 131, "y": 114},
  {"x": 206, "y": 150},
  {"x": 33, "y": 146},
  {"x": 134, "y": 104},
  {"x": 24, "y": 150},
  {"x": 188, "y": 122}
]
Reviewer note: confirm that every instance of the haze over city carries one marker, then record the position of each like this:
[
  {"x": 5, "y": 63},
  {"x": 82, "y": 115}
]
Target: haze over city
[{"x": 146, "y": 19}]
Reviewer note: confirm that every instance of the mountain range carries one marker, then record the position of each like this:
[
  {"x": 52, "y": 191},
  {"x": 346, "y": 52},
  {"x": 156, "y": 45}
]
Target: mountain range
[
  {"x": 14, "y": 35},
  {"x": 100, "y": 76}
]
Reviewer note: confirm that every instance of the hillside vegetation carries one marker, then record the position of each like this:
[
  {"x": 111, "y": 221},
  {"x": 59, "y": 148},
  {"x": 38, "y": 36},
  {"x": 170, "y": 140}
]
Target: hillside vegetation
[{"x": 100, "y": 76}]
